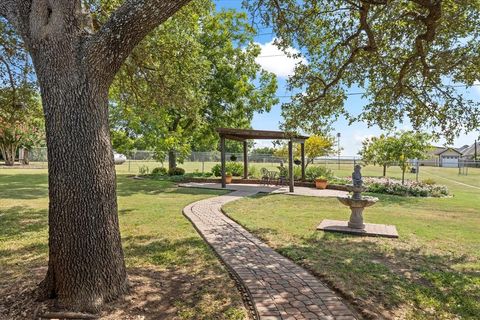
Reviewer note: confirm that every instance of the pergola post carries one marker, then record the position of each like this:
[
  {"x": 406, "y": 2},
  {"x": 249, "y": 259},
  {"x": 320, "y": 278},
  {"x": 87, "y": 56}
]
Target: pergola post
[
  {"x": 290, "y": 165},
  {"x": 302, "y": 148},
  {"x": 222, "y": 159},
  {"x": 245, "y": 160}
]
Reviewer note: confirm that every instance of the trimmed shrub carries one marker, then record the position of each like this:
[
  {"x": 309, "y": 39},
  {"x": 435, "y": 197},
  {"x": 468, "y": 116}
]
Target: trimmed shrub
[
  {"x": 253, "y": 171},
  {"x": 235, "y": 168},
  {"x": 429, "y": 181},
  {"x": 143, "y": 170},
  {"x": 313, "y": 172},
  {"x": 159, "y": 171},
  {"x": 177, "y": 171}
]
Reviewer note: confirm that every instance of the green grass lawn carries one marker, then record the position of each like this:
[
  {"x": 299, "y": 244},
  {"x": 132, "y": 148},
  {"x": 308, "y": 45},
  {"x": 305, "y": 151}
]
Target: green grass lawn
[
  {"x": 431, "y": 272},
  {"x": 174, "y": 274}
]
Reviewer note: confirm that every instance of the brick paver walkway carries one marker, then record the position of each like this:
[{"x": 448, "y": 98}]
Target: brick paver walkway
[{"x": 277, "y": 287}]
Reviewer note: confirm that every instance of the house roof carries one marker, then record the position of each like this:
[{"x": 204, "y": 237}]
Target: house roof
[
  {"x": 471, "y": 149},
  {"x": 439, "y": 152},
  {"x": 246, "y": 134}
]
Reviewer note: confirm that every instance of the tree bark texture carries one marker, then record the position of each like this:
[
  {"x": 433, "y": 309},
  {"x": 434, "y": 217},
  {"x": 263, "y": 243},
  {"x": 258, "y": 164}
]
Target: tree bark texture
[
  {"x": 26, "y": 157},
  {"x": 75, "y": 67},
  {"x": 8, "y": 153},
  {"x": 172, "y": 159},
  {"x": 86, "y": 265}
]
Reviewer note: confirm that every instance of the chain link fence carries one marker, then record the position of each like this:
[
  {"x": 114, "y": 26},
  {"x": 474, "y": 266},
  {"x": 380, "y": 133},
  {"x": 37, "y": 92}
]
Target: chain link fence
[{"x": 202, "y": 162}]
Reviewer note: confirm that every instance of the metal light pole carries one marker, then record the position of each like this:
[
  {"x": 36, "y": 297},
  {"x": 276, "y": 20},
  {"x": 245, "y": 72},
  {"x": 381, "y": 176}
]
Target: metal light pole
[{"x": 338, "y": 147}]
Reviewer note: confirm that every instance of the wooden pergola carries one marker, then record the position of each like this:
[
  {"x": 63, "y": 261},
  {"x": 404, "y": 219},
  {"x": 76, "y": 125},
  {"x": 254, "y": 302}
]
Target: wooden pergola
[{"x": 248, "y": 134}]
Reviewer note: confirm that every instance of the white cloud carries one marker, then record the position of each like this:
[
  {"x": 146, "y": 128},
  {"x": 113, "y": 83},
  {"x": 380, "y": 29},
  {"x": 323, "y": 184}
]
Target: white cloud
[
  {"x": 276, "y": 61},
  {"x": 476, "y": 86}
]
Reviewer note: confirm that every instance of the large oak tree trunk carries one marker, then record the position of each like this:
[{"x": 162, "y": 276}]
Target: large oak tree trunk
[
  {"x": 75, "y": 65},
  {"x": 86, "y": 265}
]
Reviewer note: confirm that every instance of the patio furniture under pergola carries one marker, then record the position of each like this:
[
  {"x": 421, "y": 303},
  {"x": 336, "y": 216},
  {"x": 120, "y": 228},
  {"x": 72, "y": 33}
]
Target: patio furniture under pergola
[{"x": 247, "y": 134}]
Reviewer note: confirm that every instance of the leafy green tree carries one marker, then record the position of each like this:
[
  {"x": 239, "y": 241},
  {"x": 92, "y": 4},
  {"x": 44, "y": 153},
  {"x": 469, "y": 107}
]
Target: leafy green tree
[
  {"x": 378, "y": 150},
  {"x": 315, "y": 146},
  {"x": 21, "y": 122},
  {"x": 410, "y": 145},
  {"x": 402, "y": 54},
  {"x": 211, "y": 80}
]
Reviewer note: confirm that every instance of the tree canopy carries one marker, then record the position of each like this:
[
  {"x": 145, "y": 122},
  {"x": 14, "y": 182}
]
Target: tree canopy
[
  {"x": 406, "y": 57},
  {"x": 211, "y": 80}
]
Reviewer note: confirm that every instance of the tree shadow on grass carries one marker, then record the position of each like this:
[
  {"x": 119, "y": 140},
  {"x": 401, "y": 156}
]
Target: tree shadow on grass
[
  {"x": 387, "y": 276},
  {"x": 167, "y": 253},
  {"x": 127, "y": 186},
  {"x": 19, "y": 220},
  {"x": 23, "y": 186}
]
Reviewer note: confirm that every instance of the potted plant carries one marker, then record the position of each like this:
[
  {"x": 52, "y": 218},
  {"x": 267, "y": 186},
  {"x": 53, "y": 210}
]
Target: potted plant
[
  {"x": 321, "y": 182},
  {"x": 228, "y": 177}
]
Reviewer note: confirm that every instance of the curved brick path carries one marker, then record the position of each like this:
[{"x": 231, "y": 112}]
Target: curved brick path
[{"x": 277, "y": 287}]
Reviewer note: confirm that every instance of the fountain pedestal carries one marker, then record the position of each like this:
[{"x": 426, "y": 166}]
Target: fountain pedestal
[{"x": 357, "y": 203}]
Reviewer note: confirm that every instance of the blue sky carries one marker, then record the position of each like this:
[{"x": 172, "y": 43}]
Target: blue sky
[{"x": 282, "y": 66}]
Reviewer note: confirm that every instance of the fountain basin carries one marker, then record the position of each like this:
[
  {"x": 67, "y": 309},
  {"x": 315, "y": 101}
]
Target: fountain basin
[
  {"x": 363, "y": 202},
  {"x": 357, "y": 203}
]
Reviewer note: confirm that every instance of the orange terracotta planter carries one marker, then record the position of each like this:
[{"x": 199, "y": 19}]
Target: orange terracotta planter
[
  {"x": 228, "y": 179},
  {"x": 321, "y": 183}
]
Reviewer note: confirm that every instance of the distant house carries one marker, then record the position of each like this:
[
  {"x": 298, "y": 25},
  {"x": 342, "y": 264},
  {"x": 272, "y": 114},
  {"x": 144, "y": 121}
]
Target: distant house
[
  {"x": 442, "y": 157},
  {"x": 448, "y": 157},
  {"x": 469, "y": 152}
]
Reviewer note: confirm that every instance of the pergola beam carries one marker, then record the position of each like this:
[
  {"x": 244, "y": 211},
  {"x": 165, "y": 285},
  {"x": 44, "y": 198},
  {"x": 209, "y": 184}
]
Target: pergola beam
[{"x": 248, "y": 134}]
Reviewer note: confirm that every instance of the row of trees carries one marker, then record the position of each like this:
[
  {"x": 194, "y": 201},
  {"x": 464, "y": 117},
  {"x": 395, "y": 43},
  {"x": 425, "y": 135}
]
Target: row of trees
[
  {"x": 21, "y": 119},
  {"x": 398, "y": 149}
]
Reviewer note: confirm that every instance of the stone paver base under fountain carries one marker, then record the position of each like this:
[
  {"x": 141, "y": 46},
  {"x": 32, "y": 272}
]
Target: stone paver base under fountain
[{"x": 357, "y": 203}]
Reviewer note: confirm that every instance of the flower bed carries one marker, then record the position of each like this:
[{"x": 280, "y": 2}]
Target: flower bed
[{"x": 395, "y": 187}]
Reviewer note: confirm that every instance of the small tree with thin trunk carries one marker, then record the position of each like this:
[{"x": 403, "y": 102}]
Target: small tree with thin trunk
[
  {"x": 378, "y": 151},
  {"x": 408, "y": 146}
]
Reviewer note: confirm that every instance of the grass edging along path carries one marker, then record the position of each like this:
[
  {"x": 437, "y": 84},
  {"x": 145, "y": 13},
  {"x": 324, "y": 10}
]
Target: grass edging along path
[
  {"x": 277, "y": 287},
  {"x": 173, "y": 273},
  {"x": 431, "y": 272}
]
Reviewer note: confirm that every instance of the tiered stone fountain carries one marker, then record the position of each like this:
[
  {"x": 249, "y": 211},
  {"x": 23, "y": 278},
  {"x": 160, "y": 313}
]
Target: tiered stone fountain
[{"x": 357, "y": 204}]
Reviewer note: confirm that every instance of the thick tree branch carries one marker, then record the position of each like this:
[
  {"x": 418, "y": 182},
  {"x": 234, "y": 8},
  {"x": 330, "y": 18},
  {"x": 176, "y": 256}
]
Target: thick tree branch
[
  {"x": 371, "y": 46},
  {"x": 127, "y": 26},
  {"x": 17, "y": 14}
]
